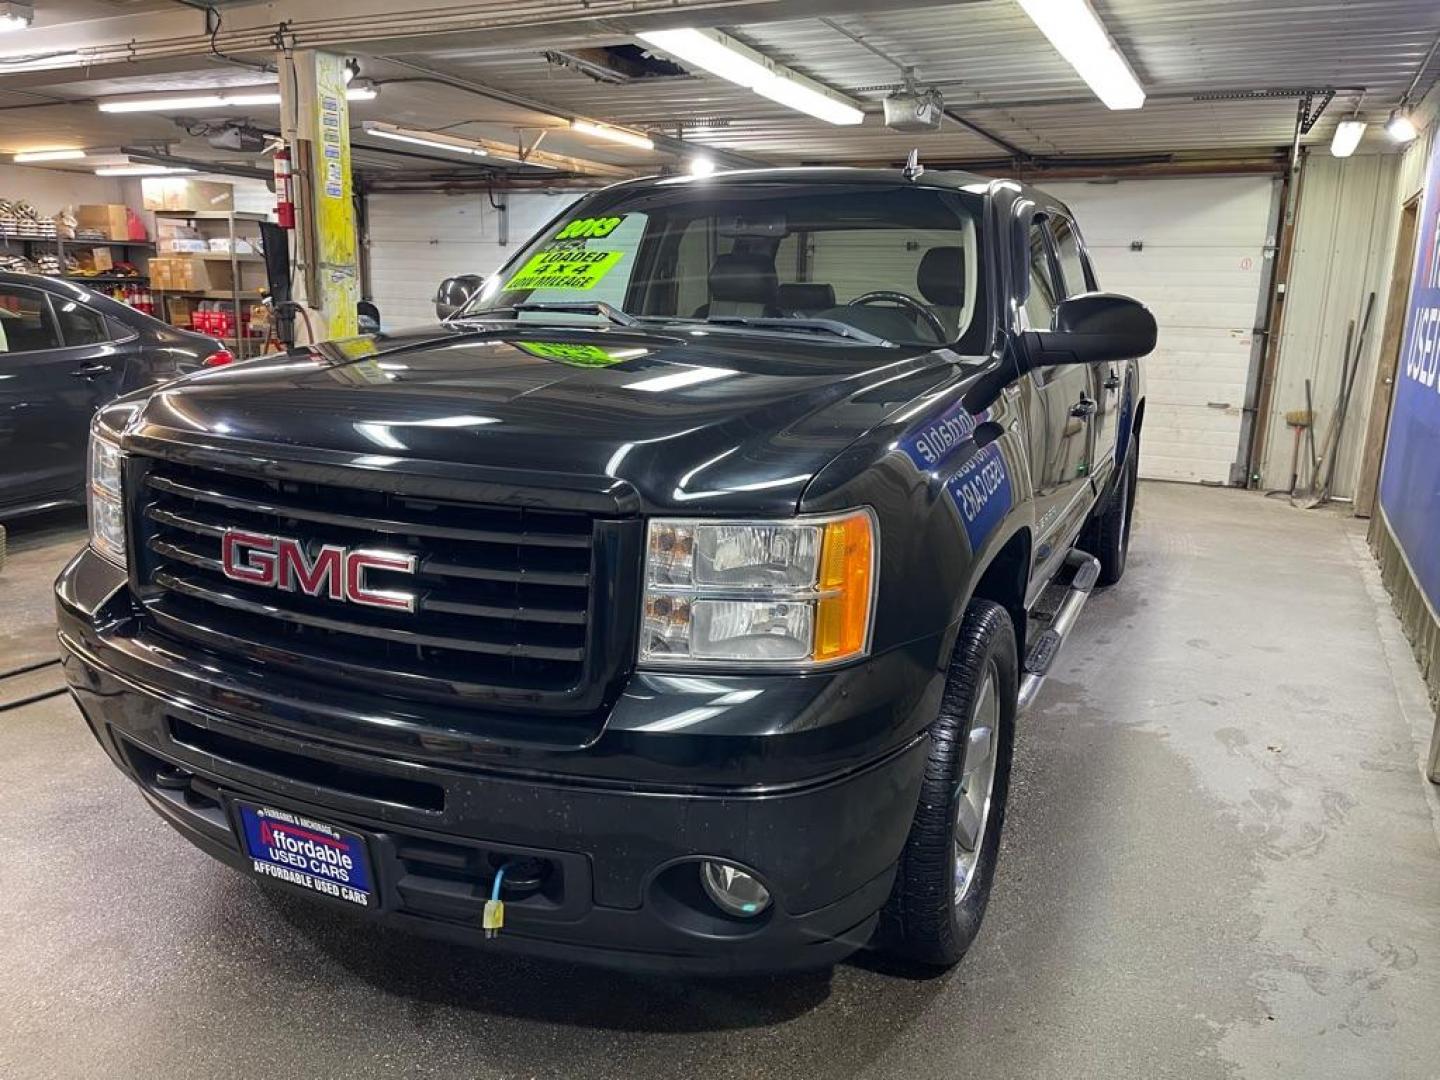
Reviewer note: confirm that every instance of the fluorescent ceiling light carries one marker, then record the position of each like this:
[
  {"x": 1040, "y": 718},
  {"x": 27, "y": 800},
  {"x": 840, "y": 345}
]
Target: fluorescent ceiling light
[
  {"x": 434, "y": 140},
  {"x": 1400, "y": 127},
  {"x": 722, "y": 55},
  {"x": 15, "y": 16},
  {"x": 188, "y": 101},
  {"x": 614, "y": 134},
  {"x": 232, "y": 97},
  {"x": 1074, "y": 29},
  {"x": 141, "y": 170},
  {"x": 713, "y": 51},
  {"x": 1347, "y": 137},
  {"x": 806, "y": 99},
  {"x": 49, "y": 155}
]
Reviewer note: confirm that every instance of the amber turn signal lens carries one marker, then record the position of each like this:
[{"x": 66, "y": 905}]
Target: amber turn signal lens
[{"x": 842, "y": 618}]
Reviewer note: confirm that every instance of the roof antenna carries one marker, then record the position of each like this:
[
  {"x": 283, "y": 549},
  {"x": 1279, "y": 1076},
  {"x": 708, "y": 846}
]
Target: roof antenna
[{"x": 913, "y": 169}]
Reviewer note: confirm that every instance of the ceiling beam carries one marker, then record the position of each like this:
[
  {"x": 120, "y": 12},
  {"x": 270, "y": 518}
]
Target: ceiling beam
[{"x": 667, "y": 143}]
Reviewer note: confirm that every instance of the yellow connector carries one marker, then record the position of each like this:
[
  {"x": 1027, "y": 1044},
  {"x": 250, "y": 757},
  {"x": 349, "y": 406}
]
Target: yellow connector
[{"x": 494, "y": 917}]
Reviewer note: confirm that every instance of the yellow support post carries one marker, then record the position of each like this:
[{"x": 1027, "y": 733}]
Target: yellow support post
[{"x": 316, "y": 126}]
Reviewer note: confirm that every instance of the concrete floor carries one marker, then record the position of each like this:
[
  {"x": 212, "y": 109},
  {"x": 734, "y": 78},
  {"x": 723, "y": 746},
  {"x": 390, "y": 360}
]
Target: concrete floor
[{"x": 1221, "y": 861}]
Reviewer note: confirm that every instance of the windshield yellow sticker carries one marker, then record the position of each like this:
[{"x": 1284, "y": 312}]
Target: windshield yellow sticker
[
  {"x": 565, "y": 268},
  {"x": 578, "y": 355},
  {"x": 590, "y": 226}
]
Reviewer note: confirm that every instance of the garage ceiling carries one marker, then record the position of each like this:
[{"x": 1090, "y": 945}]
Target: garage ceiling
[{"x": 997, "y": 73}]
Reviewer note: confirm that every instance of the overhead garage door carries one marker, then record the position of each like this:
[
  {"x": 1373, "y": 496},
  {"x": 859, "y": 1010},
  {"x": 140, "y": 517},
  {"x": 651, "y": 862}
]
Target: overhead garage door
[
  {"x": 1193, "y": 249},
  {"x": 417, "y": 240}
]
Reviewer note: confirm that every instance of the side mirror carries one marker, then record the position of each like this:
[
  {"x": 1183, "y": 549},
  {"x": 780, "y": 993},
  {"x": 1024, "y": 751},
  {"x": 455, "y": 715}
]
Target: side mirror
[
  {"x": 1091, "y": 328},
  {"x": 455, "y": 292}
]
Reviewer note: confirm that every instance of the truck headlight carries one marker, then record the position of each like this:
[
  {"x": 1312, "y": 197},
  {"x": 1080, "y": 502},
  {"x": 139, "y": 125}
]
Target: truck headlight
[
  {"x": 791, "y": 594},
  {"x": 105, "y": 501}
]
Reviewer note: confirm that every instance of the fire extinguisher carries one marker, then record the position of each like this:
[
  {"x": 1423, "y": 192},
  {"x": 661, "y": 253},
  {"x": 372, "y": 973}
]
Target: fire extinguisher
[{"x": 284, "y": 201}]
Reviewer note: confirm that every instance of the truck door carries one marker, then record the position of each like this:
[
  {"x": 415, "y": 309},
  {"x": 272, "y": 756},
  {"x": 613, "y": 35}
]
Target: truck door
[
  {"x": 49, "y": 390},
  {"x": 1059, "y": 430},
  {"x": 1078, "y": 277}
]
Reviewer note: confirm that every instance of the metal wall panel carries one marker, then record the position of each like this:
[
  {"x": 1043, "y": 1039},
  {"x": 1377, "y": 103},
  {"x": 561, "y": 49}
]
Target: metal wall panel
[
  {"x": 1344, "y": 248},
  {"x": 1199, "y": 268}
]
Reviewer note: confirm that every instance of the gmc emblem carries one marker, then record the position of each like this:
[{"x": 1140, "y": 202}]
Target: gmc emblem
[{"x": 279, "y": 562}]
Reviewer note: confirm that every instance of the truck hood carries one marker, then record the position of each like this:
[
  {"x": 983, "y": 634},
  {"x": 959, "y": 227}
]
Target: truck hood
[{"x": 698, "y": 421}]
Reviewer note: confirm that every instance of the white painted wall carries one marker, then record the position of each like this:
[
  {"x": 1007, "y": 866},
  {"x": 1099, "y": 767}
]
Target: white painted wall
[
  {"x": 1200, "y": 271},
  {"x": 417, "y": 240},
  {"x": 51, "y": 190},
  {"x": 1344, "y": 250}
]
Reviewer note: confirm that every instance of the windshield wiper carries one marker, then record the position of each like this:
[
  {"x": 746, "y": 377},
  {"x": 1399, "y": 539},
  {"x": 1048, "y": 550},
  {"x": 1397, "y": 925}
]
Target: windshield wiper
[
  {"x": 575, "y": 307},
  {"x": 830, "y": 326}
]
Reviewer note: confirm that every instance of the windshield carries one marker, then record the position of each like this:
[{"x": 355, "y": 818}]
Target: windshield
[{"x": 878, "y": 264}]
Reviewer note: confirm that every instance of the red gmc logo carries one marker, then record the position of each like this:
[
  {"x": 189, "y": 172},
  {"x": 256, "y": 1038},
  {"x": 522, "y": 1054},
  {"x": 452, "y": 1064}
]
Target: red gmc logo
[{"x": 280, "y": 562}]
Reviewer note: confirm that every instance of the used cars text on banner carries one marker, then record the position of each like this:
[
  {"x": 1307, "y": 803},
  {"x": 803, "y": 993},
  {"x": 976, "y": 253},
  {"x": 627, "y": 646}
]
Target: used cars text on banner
[{"x": 1410, "y": 484}]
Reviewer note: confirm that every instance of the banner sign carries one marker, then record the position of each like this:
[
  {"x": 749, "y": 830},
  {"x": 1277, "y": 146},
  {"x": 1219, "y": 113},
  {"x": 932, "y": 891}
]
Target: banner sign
[{"x": 1410, "y": 484}]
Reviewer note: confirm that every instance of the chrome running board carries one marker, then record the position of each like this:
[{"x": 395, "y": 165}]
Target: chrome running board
[{"x": 1052, "y": 618}]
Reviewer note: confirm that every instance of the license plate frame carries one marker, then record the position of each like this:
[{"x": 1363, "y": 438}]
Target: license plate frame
[{"x": 308, "y": 854}]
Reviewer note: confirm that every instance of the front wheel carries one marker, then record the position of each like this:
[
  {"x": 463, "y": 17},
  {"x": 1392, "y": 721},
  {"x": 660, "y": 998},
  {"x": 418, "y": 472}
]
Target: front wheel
[{"x": 943, "y": 881}]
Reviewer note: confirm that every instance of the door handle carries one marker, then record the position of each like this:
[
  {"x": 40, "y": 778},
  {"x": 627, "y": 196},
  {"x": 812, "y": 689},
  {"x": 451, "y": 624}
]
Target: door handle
[
  {"x": 92, "y": 371},
  {"x": 1112, "y": 381},
  {"x": 1083, "y": 408}
]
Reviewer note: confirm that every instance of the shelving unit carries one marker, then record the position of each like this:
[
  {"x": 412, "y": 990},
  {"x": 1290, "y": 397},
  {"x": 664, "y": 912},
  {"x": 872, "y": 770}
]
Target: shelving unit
[
  {"x": 60, "y": 243},
  {"x": 31, "y": 246},
  {"x": 105, "y": 279},
  {"x": 237, "y": 293}
]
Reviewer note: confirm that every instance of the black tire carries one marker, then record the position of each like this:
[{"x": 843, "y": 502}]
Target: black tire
[
  {"x": 1107, "y": 537},
  {"x": 923, "y": 922}
]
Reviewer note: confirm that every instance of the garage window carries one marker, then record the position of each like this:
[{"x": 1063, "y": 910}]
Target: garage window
[{"x": 26, "y": 323}]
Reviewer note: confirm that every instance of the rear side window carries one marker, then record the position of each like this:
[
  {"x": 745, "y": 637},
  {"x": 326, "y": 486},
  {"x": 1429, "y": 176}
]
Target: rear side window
[
  {"x": 26, "y": 324},
  {"x": 1072, "y": 263},
  {"x": 79, "y": 325},
  {"x": 1040, "y": 302}
]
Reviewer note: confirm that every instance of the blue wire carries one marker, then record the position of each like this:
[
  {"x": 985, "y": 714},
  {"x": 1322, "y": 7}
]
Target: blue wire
[{"x": 499, "y": 880}]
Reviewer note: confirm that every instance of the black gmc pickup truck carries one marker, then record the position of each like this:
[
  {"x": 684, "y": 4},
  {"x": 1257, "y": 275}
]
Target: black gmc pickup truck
[{"x": 671, "y": 605}]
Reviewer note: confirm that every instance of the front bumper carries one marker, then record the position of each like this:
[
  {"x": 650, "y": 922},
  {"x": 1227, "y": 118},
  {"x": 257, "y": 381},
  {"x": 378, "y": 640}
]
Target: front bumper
[{"x": 619, "y": 858}]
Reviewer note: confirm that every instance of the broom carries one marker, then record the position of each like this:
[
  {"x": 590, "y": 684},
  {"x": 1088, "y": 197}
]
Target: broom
[{"x": 1300, "y": 421}]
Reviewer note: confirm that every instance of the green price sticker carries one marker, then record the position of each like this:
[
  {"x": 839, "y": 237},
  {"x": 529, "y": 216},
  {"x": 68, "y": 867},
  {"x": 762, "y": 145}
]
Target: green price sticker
[
  {"x": 576, "y": 355},
  {"x": 593, "y": 226},
  {"x": 565, "y": 268}
]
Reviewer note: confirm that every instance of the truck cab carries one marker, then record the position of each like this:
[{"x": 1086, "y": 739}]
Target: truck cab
[{"x": 670, "y": 605}]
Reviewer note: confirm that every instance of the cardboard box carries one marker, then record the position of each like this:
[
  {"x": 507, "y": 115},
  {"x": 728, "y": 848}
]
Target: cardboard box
[
  {"x": 111, "y": 220},
  {"x": 102, "y": 261},
  {"x": 183, "y": 274},
  {"x": 179, "y": 193},
  {"x": 173, "y": 245},
  {"x": 221, "y": 245},
  {"x": 181, "y": 310}
]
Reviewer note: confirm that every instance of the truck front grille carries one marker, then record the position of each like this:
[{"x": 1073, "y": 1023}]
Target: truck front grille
[{"x": 503, "y": 608}]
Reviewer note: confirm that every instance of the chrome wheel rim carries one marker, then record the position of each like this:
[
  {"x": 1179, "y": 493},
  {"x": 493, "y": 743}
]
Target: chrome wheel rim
[{"x": 977, "y": 782}]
